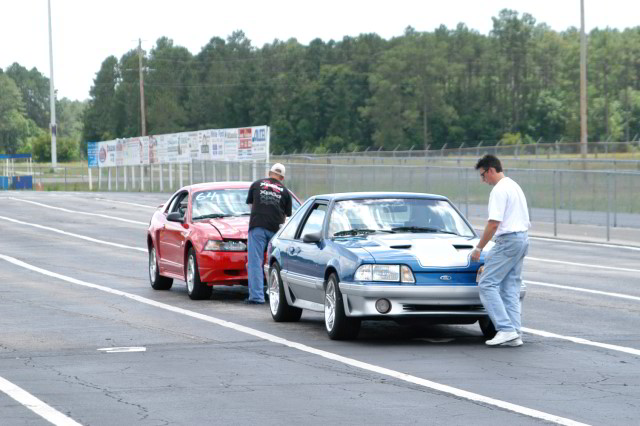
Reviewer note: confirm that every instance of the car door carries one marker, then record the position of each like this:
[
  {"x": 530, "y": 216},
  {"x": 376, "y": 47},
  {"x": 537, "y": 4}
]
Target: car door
[
  {"x": 171, "y": 237},
  {"x": 306, "y": 261}
]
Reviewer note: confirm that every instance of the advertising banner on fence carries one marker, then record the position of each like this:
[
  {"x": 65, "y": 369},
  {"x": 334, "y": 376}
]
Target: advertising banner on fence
[{"x": 240, "y": 144}]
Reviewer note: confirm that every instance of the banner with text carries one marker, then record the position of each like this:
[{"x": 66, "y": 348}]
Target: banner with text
[{"x": 241, "y": 144}]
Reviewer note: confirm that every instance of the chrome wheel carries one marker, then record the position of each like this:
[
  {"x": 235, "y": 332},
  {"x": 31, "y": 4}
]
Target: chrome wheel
[
  {"x": 330, "y": 305},
  {"x": 274, "y": 291},
  {"x": 152, "y": 264},
  {"x": 191, "y": 267}
]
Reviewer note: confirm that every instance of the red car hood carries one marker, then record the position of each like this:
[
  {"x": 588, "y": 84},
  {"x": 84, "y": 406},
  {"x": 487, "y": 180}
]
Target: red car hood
[{"x": 235, "y": 228}]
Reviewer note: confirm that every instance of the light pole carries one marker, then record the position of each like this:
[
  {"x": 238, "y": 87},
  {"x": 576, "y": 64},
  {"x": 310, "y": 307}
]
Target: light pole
[
  {"x": 583, "y": 84},
  {"x": 52, "y": 98},
  {"x": 143, "y": 123}
]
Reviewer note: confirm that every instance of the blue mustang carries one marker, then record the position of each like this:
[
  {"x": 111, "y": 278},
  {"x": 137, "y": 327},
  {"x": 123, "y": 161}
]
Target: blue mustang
[{"x": 375, "y": 255}]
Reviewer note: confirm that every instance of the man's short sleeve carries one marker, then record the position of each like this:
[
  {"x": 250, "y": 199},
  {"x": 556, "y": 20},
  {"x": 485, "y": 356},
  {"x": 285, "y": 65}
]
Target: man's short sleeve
[
  {"x": 287, "y": 205},
  {"x": 250, "y": 194},
  {"x": 497, "y": 205}
]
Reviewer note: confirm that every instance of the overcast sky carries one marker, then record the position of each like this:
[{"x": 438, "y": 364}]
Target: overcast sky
[{"x": 85, "y": 32}]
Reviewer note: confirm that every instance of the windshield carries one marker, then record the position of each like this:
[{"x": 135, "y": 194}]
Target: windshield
[
  {"x": 412, "y": 215},
  {"x": 220, "y": 202},
  {"x": 225, "y": 202}
]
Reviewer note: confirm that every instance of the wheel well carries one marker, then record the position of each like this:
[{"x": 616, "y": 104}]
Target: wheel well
[
  {"x": 187, "y": 247},
  {"x": 330, "y": 270},
  {"x": 149, "y": 242}
]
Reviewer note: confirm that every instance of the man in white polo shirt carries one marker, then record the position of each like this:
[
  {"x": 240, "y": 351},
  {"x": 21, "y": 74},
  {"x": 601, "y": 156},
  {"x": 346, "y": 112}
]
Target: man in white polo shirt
[{"x": 501, "y": 280}]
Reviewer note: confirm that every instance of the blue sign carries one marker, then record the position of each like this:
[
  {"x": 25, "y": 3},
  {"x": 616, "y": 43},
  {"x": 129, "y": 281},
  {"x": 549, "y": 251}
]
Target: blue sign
[{"x": 92, "y": 154}]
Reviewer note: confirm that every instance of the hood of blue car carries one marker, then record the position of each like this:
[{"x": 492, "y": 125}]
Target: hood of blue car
[{"x": 429, "y": 250}]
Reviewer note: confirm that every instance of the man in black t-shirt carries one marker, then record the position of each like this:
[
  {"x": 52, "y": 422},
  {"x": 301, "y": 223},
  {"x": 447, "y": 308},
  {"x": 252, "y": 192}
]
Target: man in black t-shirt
[{"x": 270, "y": 203}]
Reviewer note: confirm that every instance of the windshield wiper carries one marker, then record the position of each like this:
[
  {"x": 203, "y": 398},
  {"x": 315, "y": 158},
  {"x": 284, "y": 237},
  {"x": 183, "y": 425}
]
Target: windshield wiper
[
  {"x": 212, "y": 216},
  {"x": 421, "y": 229},
  {"x": 359, "y": 231}
]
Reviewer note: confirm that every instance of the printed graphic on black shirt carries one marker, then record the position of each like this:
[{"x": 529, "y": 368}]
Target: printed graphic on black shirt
[{"x": 271, "y": 203}]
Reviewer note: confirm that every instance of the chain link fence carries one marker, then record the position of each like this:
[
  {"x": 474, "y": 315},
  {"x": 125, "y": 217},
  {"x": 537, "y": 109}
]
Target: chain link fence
[{"x": 556, "y": 195}]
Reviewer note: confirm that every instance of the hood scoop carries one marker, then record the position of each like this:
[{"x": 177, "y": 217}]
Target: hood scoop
[
  {"x": 463, "y": 246},
  {"x": 400, "y": 246}
]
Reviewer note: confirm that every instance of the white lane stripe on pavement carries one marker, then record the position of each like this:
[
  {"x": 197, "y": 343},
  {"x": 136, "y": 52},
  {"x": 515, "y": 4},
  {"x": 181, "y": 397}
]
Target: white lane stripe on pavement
[
  {"x": 45, "y": 411},
  {"x": 71, "y": 234},
  {"x": 125, "y": 202},
  {"x": 584, "y": 265},
  {"x": 137, "y": 222},
  {"x": 588, "y": 243},
  {"x": 582, "y": 341},
  {"x": 459, "y": 393},
  {"x": 584, "y": 290},
  {"x": 144, "y": 250}
]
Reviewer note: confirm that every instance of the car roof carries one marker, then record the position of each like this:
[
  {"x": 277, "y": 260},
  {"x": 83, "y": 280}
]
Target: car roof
[
  {"x": 217, "y": 185},
  {"x": 366, "y": 195}
]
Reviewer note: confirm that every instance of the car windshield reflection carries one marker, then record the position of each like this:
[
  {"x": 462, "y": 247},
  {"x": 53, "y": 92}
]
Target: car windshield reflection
[{"x": 414, "y": 215}]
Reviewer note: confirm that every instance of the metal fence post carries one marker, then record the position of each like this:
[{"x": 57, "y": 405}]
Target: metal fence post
[
  {"x": 555, "y": 212},
  {"x": 608, "y": 202},
  {"x": 109, "y": 186},
  {"x": 466, "y": 192},
  {"x": 65, "y": 179}
]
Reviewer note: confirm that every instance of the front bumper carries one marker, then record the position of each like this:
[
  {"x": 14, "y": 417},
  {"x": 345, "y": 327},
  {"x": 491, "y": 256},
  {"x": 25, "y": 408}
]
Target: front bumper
[
  {"x": 461, "y": 302},
  {"x": 223, "y": 267}
]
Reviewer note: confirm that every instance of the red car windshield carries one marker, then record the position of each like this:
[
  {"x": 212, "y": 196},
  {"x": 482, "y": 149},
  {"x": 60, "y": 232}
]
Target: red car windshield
[{"x": 220, "y": 203}]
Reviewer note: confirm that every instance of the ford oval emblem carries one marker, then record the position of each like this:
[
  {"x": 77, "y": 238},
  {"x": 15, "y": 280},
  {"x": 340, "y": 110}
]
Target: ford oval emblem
[{"x": 445, "y": 277}]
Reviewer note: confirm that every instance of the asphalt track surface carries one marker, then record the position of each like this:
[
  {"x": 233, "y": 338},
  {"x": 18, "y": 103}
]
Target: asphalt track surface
[{"x": 74, "y": 285}]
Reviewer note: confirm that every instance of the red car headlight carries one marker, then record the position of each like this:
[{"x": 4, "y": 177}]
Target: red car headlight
[{"x": 232, "y": 245}]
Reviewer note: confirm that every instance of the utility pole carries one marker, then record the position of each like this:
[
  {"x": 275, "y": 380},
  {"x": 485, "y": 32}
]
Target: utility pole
[
  {"x": 583, "y": 84},
  {"x": 143, "y": 123},
  {"x": 52, "y": 97}
]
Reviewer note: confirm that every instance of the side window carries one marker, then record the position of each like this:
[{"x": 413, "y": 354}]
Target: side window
[
  {"x": 291, "y": 226},
  {"x": 179, "y": 203},
  {"x": 314, "y": 220}
]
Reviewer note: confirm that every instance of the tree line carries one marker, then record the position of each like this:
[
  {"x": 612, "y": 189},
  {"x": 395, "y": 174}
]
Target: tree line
[
  {"x": 517, "y": 84},
  {"x": 25, "y": 117}
]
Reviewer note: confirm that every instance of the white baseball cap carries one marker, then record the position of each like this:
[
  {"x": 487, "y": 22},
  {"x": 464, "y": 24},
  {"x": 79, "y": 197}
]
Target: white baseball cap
[{"x": 278, "y": 168}]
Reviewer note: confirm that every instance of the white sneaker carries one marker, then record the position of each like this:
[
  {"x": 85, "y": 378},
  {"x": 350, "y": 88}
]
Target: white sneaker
[
  {"x": 514, "y": 342},
  {"x": 502, "y": 337}
]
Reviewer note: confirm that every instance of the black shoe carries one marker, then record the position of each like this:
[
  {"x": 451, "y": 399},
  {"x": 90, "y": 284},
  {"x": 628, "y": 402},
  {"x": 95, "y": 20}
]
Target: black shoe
[{"x": 252, "y": 302}]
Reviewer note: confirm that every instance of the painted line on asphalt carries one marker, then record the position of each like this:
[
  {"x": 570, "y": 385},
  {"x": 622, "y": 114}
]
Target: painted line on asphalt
[
  {"x": 459, "y": 393},
  {"x": 79, "y": 212},
  {"x": 71, "y": 234},
  {"x": 584, "y": 290},
  {"x": 582, "y": 341},
  {"x": 125, "y": 202},
  {"x": 144, "y": 250},
  {"x": 584, "y": 265},
  {"x": 34, "y": 404},
  {"x": 588, "y": 243}
]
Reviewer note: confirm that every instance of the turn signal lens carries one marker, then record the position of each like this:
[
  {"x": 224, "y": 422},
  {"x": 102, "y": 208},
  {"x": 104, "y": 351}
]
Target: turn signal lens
[
  {"x": 406, "y": 274},
  {"x": 480, "y": 271}
]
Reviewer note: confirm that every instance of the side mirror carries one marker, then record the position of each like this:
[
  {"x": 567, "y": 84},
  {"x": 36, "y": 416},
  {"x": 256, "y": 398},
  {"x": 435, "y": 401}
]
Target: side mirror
[
  {"x": 175, "y": 217},
  {"x": 313, "y": 237}
]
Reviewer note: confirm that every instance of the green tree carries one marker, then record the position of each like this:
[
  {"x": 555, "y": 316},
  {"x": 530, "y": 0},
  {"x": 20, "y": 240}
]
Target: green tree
[
  {"x": 14, "y": 126},
  {"x": 34, "y": 88}
]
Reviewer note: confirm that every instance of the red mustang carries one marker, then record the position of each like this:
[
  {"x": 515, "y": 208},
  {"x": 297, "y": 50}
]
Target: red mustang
[{"x": 200, "y": 236}]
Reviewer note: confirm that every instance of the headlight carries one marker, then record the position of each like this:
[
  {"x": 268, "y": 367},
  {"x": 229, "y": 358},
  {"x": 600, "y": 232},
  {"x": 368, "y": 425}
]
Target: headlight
[
  {"x": 391, "y": 273},
  {"x": 480, "y": 271},
  {"x": 217, "y": 245}
]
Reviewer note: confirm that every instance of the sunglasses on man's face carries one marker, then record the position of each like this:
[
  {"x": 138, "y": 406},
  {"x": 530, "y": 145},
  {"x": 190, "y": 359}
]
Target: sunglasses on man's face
[{"x": 483, "y": 173}]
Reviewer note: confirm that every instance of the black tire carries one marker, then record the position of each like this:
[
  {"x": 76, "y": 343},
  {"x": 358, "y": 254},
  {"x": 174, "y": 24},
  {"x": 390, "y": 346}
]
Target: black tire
[
  {"x": 158, "y": 282},
  {"x": 281, "y": 311},
  {"x": 338, "y": 325},
  {"x": 196, "y": 289},
  {"x": 487, "y": 327}
]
